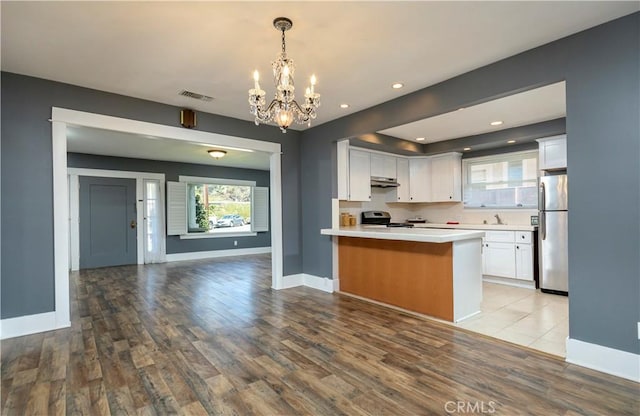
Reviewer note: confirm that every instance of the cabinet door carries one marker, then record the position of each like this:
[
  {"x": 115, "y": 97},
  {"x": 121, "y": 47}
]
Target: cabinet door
[
  {"x": 401, "y": 193},
  {"x": 553, "y": 153},
  {"x": 500, "y": 259},
  {"x": 383, "y": 166},
  {"x": 445, "y": 178},
  {"x": 524, "y": 261},
  {"x": 359, "y": 175},
  {"x": 343, "y": 169},
  {"x": 419, "y": 182}
]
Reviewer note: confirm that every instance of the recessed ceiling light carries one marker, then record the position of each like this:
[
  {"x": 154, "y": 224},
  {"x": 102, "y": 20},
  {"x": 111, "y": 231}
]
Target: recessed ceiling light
[
  {"x": 420, "y": 139},
  {"x": 496, "y": 123},
  {"x": 511, "y": 141},
  {"x": 344, "y": 105},
  {"x": 466, "y": 149},
  {"x": 461, "y": 108},
  {"x": 397, "y": 85}
]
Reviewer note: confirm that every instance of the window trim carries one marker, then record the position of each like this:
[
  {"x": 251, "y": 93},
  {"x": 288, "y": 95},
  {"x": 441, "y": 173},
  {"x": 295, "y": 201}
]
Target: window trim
[
  {"x": 215, "y": 181},
  {"x": 497, "y": 157},
  {"x": 196, "y": 180}
]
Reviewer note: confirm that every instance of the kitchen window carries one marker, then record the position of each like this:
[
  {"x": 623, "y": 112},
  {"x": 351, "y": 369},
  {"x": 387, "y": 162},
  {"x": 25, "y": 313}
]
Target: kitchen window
[
  {"x": 209, "y": 207},
  {"x": 507, "y": 180}
]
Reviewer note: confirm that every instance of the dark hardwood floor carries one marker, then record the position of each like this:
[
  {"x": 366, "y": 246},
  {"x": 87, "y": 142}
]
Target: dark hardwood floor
[{"x": 211, "y": 337}]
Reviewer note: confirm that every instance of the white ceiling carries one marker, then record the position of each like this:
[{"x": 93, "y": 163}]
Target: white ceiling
[
  {"x": 112, "y": 143},
  {"x": 153, "y": 50},
  {"x": 533, "y": 106}
]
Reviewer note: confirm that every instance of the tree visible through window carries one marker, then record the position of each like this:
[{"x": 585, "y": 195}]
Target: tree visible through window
[{"x": 219, "y": 208}]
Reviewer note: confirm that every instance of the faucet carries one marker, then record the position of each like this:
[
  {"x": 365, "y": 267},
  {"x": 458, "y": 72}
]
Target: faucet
[{"x": 498, "y": 219}]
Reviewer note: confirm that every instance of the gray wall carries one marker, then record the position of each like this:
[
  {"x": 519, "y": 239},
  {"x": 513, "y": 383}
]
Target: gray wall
[
  {"x": 172, "y": 171},
  {"x": 27, "y": 284},
  {"x": 601, "y": 67}
]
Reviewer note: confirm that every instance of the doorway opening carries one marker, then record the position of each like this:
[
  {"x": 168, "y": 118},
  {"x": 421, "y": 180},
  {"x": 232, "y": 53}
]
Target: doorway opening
[{"x": 62, "y": 118}]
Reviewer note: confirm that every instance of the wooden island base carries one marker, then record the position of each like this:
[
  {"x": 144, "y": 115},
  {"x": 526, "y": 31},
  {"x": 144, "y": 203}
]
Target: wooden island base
[{"x": 416, "y": 276}]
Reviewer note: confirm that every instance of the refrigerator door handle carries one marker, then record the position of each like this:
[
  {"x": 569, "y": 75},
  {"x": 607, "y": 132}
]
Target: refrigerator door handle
[{"x": 543, "y": 225}]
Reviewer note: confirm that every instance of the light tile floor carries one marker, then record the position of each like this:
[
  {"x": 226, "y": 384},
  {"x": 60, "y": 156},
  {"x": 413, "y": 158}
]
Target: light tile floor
[{"x": 523, "y": 316}]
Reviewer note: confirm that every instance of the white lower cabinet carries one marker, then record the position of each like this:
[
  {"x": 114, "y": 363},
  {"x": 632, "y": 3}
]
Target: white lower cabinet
[
  {"x": 499, "y": 259},
  {"x": 508, "y": 254},
  {"x": 524, "y": 261}
]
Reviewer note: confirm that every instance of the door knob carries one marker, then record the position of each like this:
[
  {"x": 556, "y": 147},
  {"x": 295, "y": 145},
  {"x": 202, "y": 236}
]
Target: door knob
[{"x": 133, "y": 224}]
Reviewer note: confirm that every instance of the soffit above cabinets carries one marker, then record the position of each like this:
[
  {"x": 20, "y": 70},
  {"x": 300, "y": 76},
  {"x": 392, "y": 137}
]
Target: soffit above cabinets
[{"x": 529, "y": 107}]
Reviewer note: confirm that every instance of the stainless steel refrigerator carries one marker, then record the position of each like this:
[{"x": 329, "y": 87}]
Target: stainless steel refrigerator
[{"x": 553, "y": 233}]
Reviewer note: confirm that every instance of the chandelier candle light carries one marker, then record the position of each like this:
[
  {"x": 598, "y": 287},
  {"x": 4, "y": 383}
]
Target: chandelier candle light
[{"x": 283, "y": 109}]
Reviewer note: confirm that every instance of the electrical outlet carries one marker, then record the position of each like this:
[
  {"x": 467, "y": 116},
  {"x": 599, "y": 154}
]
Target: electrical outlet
[{"x": 235, "y": 242}]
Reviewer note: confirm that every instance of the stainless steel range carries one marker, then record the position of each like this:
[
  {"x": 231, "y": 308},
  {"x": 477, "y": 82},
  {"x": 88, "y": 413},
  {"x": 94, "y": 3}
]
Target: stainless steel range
[{"x": 381, "y": 218}]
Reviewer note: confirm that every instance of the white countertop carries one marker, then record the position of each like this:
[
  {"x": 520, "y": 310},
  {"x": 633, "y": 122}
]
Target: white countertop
[
  {"x": 425, "y": 235},
  {"x": 495, "y": 227}
]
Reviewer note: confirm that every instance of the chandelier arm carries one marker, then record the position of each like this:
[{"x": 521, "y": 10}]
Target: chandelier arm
[{"x": 302, "y": 114}]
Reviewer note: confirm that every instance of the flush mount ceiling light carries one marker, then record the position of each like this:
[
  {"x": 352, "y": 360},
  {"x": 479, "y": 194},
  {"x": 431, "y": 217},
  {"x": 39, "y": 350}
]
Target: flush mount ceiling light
[
  {"x": 217, "y": 154},
  {"x": 420, "y": 139},
  {"x": 496, "y": 123},
  {"x": 344, "y": 105},
  {"x": 397, "y": 85},
  {"x": 283, "y": 109}
]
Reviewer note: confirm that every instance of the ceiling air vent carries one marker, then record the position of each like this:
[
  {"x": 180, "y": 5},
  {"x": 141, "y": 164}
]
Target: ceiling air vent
[{"x": 195, "y": 95}]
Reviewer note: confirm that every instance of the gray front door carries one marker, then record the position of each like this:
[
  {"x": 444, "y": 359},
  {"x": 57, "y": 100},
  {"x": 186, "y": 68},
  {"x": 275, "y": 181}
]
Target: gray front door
[{"x": 107, "y": 222}]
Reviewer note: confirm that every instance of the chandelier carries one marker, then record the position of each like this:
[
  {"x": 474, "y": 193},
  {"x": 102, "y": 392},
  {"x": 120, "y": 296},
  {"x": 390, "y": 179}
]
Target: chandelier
[{"x": 283, "y": 109}]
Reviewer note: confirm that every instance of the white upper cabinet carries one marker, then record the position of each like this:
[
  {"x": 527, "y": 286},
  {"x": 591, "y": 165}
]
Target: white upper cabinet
[
  {"x": 553, "y": 152},
  {"x": 402, "y": 192},
  {"x": 383, "y": 166},
  {"x": 343, "y": 169},
  {"x": 359, "y": 175},
  {"x": 446, "y": 174},
  {"x": 419, "y": 182}
]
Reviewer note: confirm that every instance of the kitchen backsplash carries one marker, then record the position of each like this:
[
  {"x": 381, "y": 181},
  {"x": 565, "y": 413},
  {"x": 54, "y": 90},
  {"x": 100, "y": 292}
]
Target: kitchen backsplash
[{"x": 436, "y": 212}]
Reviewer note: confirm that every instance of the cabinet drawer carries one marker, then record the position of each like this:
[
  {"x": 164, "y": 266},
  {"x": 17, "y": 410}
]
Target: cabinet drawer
[
  {"x": 500, "y": 236},
  {"x": 523, "y": 237}
]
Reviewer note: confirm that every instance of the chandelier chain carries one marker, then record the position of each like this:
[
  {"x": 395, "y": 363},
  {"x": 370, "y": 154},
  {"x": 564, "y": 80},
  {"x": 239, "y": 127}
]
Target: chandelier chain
[{"x": 284, "y": 47}]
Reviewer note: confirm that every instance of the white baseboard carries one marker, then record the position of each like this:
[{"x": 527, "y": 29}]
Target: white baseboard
[
  {"x": 30, "y": 324},
  {"x": 509, "y": 282},
  {"x": 292, "y": 280},
  {"x": 198, "y": 255},
  {"x": 315, "y": 282},
  {"x": 607, "y": 360}
]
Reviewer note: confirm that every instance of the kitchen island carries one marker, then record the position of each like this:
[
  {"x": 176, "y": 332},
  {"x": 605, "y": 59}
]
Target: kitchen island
[{"x": 430, "y": 271}]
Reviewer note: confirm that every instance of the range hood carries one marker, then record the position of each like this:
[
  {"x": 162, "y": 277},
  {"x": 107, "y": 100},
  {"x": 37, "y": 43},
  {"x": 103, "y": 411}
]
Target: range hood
[{"x": 379, "y": 182}]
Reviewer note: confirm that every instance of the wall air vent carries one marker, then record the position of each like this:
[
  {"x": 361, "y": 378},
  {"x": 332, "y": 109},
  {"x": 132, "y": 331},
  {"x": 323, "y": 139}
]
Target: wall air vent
[{"x": 195, "y": 95}]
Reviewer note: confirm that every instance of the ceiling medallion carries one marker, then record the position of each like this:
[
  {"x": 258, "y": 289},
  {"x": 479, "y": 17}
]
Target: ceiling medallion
[{"x": 283, "y": 109}]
